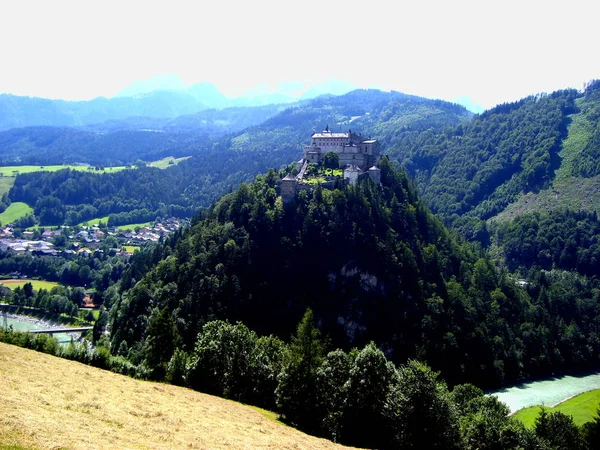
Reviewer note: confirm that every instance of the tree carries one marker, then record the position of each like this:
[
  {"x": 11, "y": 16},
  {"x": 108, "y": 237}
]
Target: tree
[
  {"x": 423, "y": 413},
  {"x": 160, "y": 342},
  {"x": 221, "y": 361},
  {"x": 558, "y": 430},
  {"x": 331, "y": 160},
  {"x": 366, "y": 416},
  {"x": 332, "y": 391},
  {"x": 590, "y": 432},
  {"x": 296, "y": 389}
]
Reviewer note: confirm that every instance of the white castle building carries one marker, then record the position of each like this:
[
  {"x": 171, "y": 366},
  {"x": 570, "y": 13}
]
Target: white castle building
[{"x": 352, "y": 148}]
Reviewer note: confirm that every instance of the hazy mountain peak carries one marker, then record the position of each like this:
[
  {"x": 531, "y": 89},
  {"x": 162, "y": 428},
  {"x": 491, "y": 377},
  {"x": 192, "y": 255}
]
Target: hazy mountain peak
[{"x": 169, "y": 82}]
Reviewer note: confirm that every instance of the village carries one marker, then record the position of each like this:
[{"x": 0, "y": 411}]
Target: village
[{"x": 85, "y": 240}]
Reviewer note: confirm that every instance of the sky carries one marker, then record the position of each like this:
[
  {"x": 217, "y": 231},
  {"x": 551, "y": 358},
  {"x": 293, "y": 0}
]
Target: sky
[{"x": 489, "y": 50}]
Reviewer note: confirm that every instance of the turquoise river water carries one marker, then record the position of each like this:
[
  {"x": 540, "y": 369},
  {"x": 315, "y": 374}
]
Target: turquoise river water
[
  {"x": 546, "y": 392},
  {"x": 27, "y": 323}
]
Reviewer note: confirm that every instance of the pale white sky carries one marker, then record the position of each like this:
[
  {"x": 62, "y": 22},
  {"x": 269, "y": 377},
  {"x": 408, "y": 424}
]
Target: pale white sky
[{"x": 493, "y": 51}]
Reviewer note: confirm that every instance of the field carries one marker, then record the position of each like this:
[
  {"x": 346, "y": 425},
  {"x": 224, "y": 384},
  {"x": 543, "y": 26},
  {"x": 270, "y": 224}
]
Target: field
[
  {"x": 104, "y": 220},
  {"x": 95, "y": 221},
  {"x": 11, "y": 171},
  {"x": 167, "y": 162},
  {"x": 582, "y": 407},
  {"x": 5, "y": 184},
  {"x": 15, "y": 211},
  {"x": 48, "y": 402},
  {"x": 37, "y": 284},
  {"x": 133, "y": 226},
  {"x": 131, "y": 248}
]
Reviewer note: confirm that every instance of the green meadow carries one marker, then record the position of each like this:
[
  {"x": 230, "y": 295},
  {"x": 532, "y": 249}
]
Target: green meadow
[
  {"x": 167, "y": 162},
  {"x": 5, "y": 184},
  {"x": 14, "y": 212},
  {"x": 11, "y": 171},
  {"x": 12, "y": 284},
  {"x": 582, "y": 407},
  {"x": 133, "y": 226}
]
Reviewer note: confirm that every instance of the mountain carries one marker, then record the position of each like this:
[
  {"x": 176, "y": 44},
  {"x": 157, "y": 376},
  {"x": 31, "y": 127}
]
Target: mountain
[
  {"x": 123, "y": 141},
  {"x": 16, "y": 112},
  {"x": 168, "y": 82},
  {"x": 218, "y": 164}
]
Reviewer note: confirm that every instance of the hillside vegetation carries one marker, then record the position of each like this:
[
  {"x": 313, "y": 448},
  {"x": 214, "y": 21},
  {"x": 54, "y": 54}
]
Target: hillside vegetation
[
  {"x": 48, "y": 402},
  {"x": 374, "y": 264},
  {"x": 583, "y": 408}
]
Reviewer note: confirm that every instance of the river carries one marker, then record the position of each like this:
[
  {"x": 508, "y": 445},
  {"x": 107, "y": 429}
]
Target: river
[
  {"x": 546, "y": 392},
  {"x": 25, "y": 323}
]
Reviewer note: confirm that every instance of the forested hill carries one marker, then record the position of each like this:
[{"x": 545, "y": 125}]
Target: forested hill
[
  {"x": 120, "y": 142},
  {"x": 218, "y": 163},
  {"x": 374, "y": 264},
  {"x": 540, "y": 152}
]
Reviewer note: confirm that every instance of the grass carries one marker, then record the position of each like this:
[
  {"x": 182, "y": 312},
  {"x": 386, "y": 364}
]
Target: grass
[
  {"x": 14, "y": 212},
  {"x": 576, "y": 193},
  {"x": 95, "y": 221},
  {"x": 12, "y": 284},
  {"x": 104, "y": 220},
  {"x": 9, "y": 171},
  {"x": 133, "y": 226},
  {"x": 48, "y": 402},
  {"x": 567, "y": 190},
  {"x": 5, "y": 184},
  {"x": 582, "y": 407},
  {"x": 131, "y": 248},
  {"x": 167, "y": 162}
]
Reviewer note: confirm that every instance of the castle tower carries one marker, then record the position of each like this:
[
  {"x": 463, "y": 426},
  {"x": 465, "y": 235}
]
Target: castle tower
[
  {"x": 287, "y": 188},
  {"x": 375, "y": 174}
]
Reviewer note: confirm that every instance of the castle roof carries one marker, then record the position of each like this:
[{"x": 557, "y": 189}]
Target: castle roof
[
  {"x": 374, "y": 168},
  {"x": 352, "y": 168},
  {"x": 329, "y": 134}
]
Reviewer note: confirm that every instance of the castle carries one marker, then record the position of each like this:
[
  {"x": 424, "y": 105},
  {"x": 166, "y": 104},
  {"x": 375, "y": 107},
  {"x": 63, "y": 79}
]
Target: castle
[
  {"x": 354, "y": 153},
  {"x": 352, "y": 148}
]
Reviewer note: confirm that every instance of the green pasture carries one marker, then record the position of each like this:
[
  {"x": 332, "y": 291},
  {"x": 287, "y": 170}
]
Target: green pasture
[
  {"x": 95, "y": 221},
  {"x": 12, "y": 284},
  {"x": 5, "y": 184},
  {"x": 130, "y": 248},
  {"x": 14, "y": 212},
  {"x": 133, "y": 226},
  {"x": 582, "y": 407},
  {"x": 12, "y": 171},
  {"x": 167, "y": 162}
]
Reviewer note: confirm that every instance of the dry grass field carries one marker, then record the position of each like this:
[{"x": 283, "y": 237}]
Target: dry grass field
[{"x": 51, "y": 403}]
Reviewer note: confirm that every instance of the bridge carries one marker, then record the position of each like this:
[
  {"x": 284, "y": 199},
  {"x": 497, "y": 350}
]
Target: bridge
[{"x": 61, "y": 330}]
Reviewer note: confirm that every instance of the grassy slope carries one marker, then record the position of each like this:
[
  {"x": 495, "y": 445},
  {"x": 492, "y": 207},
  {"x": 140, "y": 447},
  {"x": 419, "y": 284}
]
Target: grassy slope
[
  {"x": 5, "y": 184},
  {"x": 48, "y": 402},
  {"x": 164, "y": 163},
  {"x": 15, "y": 211},
  {"x": 566, "y": 190},
  {"x": 8, "y": 170},
  {"x": 36, "y": 284},
  {"x": 582, "y": 407}
]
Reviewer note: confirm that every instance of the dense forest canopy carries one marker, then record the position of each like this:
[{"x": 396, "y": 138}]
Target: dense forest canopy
[{"x": 374, "y": 264}]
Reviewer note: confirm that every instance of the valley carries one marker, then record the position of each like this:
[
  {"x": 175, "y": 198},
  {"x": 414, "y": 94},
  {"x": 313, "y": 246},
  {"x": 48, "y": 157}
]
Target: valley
[{"x": 425, "y": 251}]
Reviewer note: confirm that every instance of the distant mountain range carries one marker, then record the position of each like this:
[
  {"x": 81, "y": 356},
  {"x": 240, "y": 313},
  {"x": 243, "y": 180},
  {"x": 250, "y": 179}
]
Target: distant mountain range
[{"x": 163, "y": 97}]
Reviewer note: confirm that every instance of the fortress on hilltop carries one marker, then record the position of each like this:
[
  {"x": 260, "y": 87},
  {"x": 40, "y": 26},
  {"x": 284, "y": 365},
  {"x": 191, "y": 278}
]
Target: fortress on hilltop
[
  {"x": 352, "y": 148},
  {"x": 355, "y": 154}
]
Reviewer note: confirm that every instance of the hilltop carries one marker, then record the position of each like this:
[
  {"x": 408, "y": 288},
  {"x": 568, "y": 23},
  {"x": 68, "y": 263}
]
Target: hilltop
[{"x": 49, "y": 402}]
